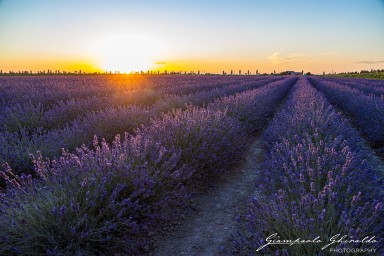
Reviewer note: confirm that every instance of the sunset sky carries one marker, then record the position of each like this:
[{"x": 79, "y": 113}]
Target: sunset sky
[{"x": 206, "y": 35}]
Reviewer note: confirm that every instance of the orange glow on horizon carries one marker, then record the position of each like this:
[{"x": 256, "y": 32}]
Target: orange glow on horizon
[{"x": 90, "y": 65}]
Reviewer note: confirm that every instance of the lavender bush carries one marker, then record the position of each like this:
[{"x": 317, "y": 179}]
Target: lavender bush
[
  {"x": 367, "y": 111},
  {"x": 364, "y": 86},
  {"x": 361, "y": 83},
  {"x": 316, "y": 181},
  {"x": 105, "y": 200},
  {"x": 104, "y": 123},
  {"x": 256, "y": 106},
  {"x": 30, "y": 116}
]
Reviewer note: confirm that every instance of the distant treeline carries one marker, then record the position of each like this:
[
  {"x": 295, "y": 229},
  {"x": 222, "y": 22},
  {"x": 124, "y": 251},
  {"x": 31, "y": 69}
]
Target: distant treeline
[
  {"x": 374, "y": 74},
  {"x": 149, "y": 72}
]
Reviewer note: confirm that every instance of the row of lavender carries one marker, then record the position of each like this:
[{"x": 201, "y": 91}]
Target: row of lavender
[
  {"x": 316, "y": 181},
  {"x": 366, "y": 111},
  {"x": 366, "y": 86},
  {"x": 48, "y": 90},
  {"x": 376, "y": 83},
  {"x": 104, "y": 123},
  {"x": 106, "y": 200},
  {"x": 37, "y": 113}
]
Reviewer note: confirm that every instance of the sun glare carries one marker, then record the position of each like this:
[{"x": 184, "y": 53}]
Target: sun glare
[{"x": 127, "y": 53}]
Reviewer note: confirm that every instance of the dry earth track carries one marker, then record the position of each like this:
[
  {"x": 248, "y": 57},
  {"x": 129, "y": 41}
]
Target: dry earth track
[{"x": 213, "y": 223}]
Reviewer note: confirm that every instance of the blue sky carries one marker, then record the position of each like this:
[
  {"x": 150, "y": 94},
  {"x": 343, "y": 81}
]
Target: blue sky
[{"x": 209, "y": 35}]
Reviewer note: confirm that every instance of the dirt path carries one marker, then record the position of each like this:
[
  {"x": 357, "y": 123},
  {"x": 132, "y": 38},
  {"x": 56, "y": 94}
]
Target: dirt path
[{"x": 211, "y": 226}]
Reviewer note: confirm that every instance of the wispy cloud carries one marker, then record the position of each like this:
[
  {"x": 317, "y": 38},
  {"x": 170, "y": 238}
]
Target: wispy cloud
[
  {"x": 278, "y": 59},
  {"x": 328, "y": 53},
  {"x": 370, "y": 62},
  {"x": 275, "y": 56},
  {"x": 297, "y": 55},
  {"x": 293, "y": 55}
]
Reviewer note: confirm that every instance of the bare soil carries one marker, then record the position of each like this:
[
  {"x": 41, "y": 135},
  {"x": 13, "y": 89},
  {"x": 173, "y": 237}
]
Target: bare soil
[{"x": 210, "y": 227}]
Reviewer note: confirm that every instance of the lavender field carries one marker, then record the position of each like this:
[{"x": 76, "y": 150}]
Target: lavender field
[{"x": 102, "y": 165}]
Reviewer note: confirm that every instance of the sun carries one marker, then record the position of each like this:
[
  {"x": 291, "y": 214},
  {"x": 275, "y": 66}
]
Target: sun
[{"x": 127, "y": 53}]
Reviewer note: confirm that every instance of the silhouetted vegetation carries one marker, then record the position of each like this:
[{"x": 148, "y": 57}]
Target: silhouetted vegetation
[{"x": 373, "y": 74}]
